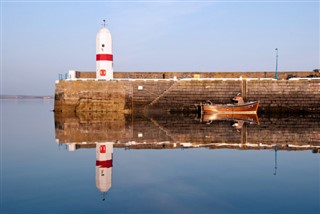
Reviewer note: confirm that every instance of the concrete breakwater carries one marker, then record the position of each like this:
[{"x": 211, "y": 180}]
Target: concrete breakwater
[{"x": 181, "y": 95}]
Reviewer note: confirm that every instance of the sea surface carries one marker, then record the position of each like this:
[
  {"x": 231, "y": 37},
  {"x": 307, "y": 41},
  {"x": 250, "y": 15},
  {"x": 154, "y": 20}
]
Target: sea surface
[{"x": 41, "y": 172}]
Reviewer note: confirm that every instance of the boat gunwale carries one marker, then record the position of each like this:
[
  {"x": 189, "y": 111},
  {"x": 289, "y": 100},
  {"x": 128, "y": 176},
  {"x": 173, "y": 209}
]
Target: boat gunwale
[
  {"x": 214, "y": 109},
  {"x": 231, "y": 105}
]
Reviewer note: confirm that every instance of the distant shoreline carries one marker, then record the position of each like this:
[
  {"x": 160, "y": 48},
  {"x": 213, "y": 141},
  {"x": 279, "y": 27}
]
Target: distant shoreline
[{"x": 16, "y": 97}]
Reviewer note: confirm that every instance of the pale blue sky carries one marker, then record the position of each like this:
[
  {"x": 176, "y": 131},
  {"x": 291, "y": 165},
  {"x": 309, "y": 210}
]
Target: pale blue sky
[{"x": 41, "y": 39}]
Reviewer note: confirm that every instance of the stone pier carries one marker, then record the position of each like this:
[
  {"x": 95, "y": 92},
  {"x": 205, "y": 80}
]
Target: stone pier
[{"x": 181, "y": 95}]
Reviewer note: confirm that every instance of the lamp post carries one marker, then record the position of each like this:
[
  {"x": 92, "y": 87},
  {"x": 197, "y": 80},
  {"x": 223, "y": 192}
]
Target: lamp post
[{"x": 276, "y": 75}]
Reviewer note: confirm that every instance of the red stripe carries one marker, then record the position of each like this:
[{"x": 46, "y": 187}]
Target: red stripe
[
  {"x": 107, "y": 57},
  {"x": 104, "y": 164}
]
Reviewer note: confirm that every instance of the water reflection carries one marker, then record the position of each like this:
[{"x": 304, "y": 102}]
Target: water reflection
[
  {"x": 275, "y": 159},
  {"x": 104, "y": 155},
  {"x": 165, "y": 131},
  {"x": 238, "y": 119},
  {"x": 156, "y": 180}
]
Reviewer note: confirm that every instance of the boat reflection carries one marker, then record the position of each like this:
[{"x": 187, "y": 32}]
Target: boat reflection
[{"x": 238, "y": 119}]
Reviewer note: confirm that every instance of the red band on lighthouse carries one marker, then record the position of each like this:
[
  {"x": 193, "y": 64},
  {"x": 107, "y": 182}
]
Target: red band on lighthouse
[
  {"x": 104, "y": 163},
  {"x": 106, "y": 57}
]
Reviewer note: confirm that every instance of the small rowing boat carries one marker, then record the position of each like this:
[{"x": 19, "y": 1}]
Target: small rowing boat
[{"x": 239, "y": 107}]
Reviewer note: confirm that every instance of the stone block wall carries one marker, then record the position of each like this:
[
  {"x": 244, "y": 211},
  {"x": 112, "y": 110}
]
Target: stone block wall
[
  {"x": 146, "y": 91},
  {"x": 93, "y": 96},
  {"x": 295, "y": 96},
  {"x": 285, "y": 96},
  {"x": 184, "y": 94}
]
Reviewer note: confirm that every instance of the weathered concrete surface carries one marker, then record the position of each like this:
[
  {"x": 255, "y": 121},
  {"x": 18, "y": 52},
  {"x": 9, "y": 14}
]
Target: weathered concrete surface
[{"x": 295, "y": 96}]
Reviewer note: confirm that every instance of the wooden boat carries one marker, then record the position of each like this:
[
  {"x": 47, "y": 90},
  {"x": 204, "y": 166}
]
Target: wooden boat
[{"x": 240, "y": 107}]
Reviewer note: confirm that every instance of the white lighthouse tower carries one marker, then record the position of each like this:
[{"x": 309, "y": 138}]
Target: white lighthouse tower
[
  {"x": 104, "y": 57},
  {"x": 104, "y": 153}
]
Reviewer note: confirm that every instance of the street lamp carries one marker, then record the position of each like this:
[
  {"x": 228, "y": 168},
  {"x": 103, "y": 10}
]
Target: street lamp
[{"x": 276, "y": 75}]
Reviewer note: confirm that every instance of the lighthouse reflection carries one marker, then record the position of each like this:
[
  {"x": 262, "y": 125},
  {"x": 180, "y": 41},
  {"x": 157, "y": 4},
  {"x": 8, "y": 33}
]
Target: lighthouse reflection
[{"x": 104, "y": 155}]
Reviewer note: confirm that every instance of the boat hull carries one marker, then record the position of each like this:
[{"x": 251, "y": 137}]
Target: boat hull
[{"x": 247, "y": 108}]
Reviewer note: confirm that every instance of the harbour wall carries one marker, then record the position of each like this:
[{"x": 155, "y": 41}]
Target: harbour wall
[
  {"x": 181, "y": 75},
  {"x": 181, "y": 95}
]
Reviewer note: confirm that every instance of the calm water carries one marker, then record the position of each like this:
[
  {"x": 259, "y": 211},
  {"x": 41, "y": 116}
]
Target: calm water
[{"x": 40, "y": 175}]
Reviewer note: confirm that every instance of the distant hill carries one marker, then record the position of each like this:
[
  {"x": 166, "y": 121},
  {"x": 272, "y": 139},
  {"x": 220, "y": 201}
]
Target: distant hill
[{"x": 24, "y": 97}]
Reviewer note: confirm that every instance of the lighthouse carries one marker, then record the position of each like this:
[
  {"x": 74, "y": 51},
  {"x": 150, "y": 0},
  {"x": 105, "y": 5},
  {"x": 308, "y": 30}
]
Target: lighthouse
[
  {"x": 104, "y": 153},
  {"x": 104, "y": 57}
]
